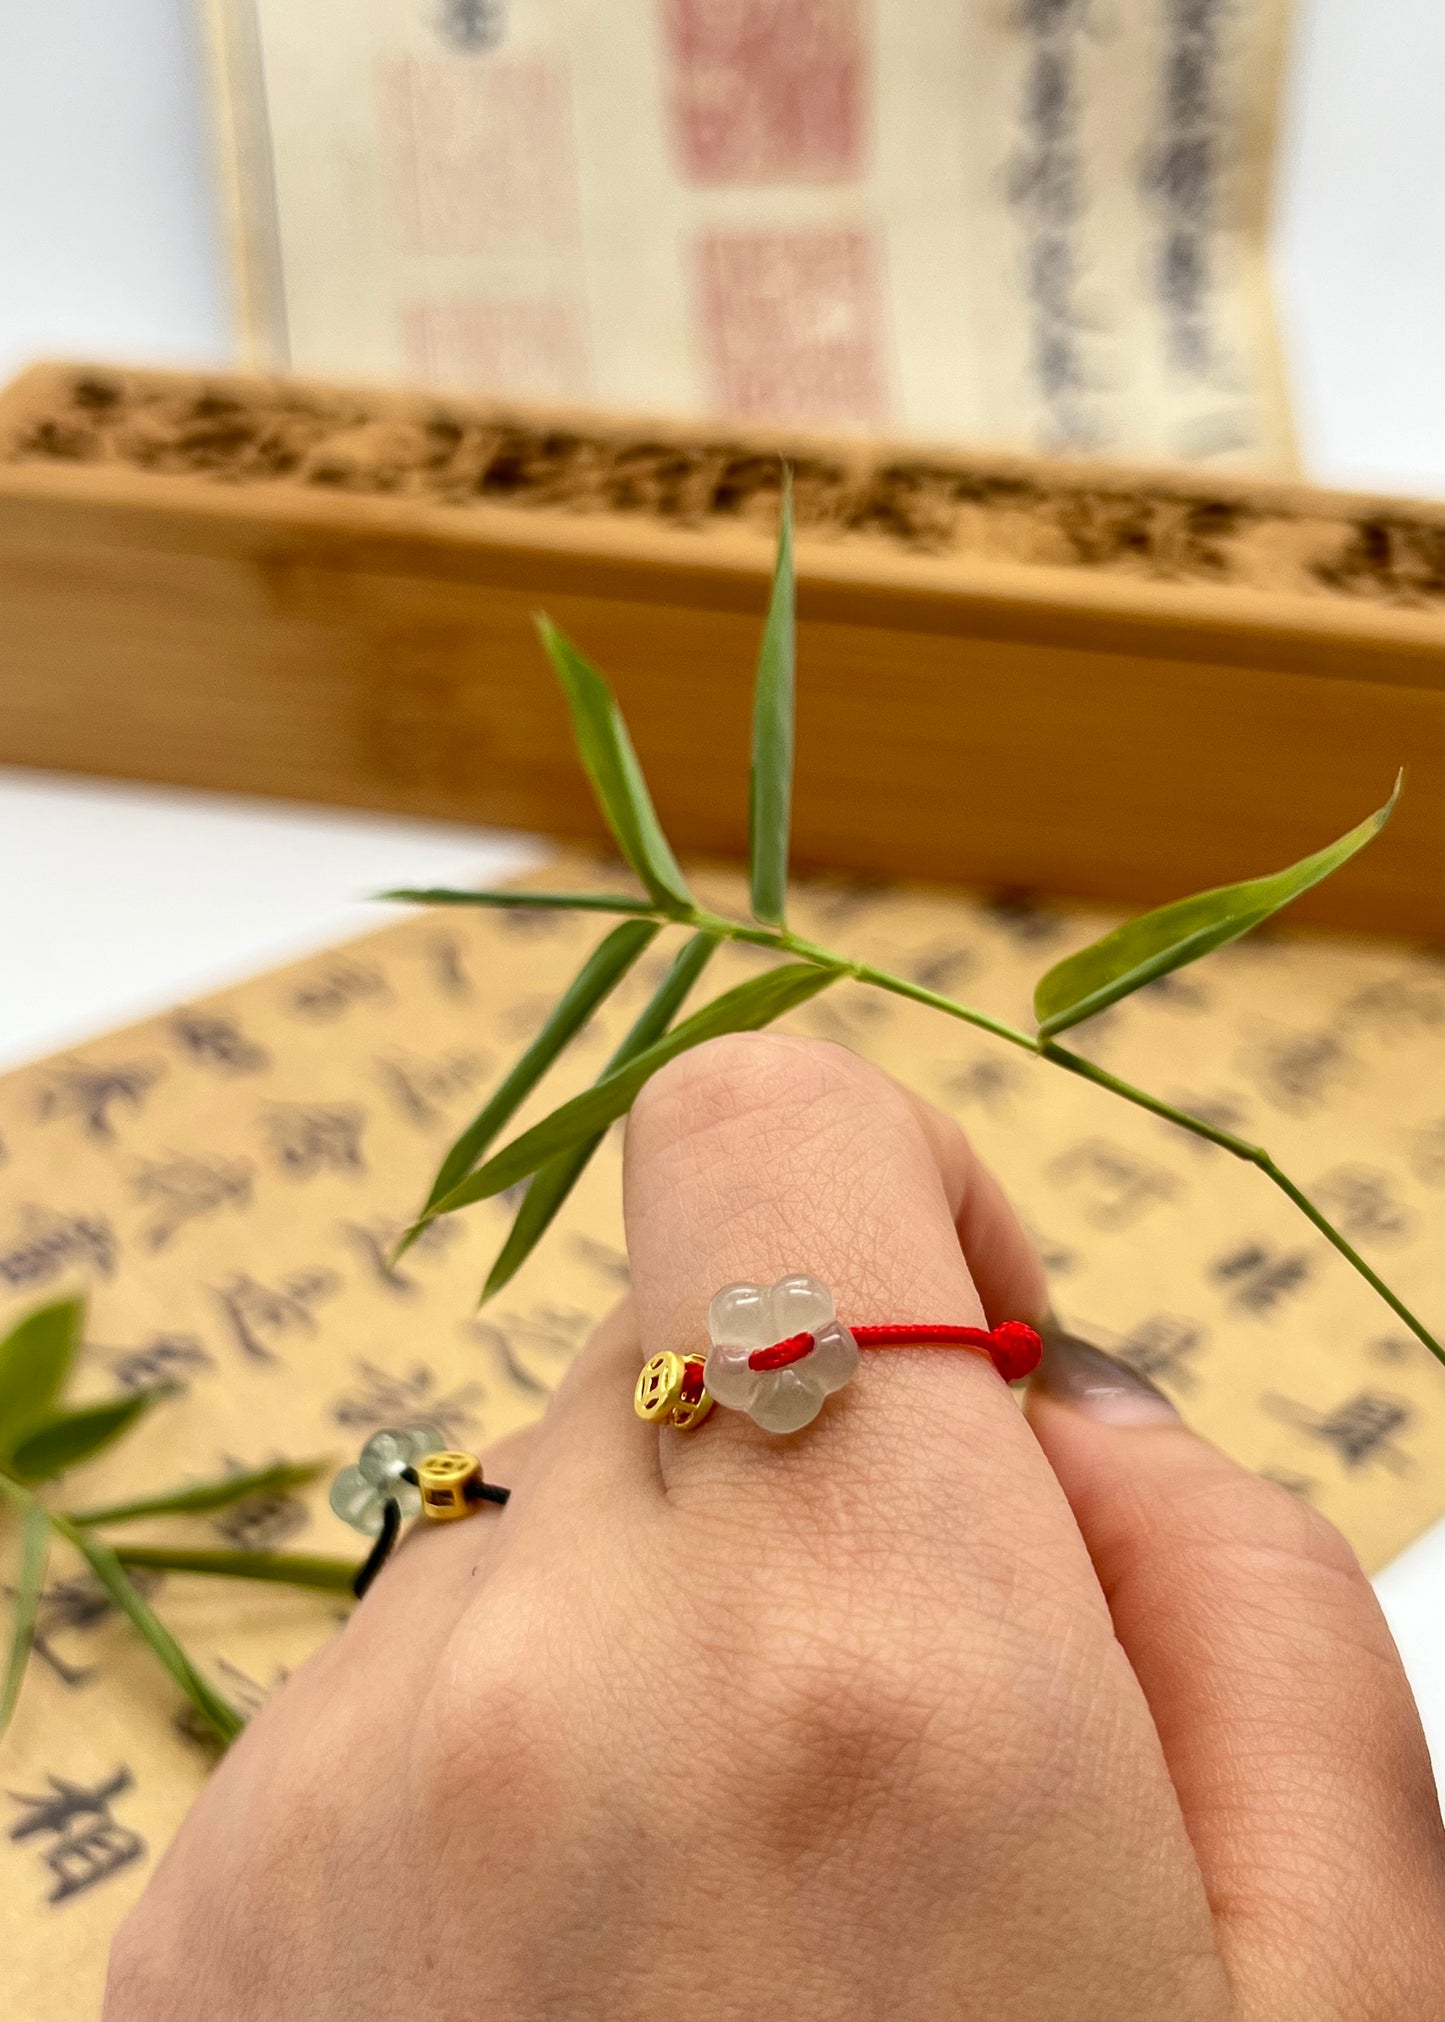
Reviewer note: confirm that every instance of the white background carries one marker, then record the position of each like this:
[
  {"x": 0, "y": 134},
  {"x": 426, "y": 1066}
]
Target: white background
[
  {"x": 111, "y": 244},
  {"x": 117, "y": 900}
]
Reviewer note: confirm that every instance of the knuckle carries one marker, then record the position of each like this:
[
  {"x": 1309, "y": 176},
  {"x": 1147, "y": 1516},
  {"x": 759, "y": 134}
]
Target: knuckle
[
  {"x": 304, "y": 1812},
  {"x": 838, "y": 1710},
  {"x": 491, "y": 1716},
  {"x": 744, "y": 1076},
  {"x": 1275, "y": 1531}
]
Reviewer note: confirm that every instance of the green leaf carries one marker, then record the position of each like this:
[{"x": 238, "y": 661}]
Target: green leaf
[
  {"x": 213, "y": 1709},
  {"x": 553, "y": 1182},
  {"x": 288, "y": 1569},
  {"x": 746, "y": 1008},
  {"x": 598, "y": 977},
  {"x": 1144, "y": 949},
  {"x": 575, "y": 902},
  {"x": 207, "y": 1495},
  {"x": 34, "y": 1552},
  {"x": 65, "y": 1438},
  {"x": 35, "y": 1361},
  {"x": 611, "y": 765},
  {"x": 771, "y": 783}
]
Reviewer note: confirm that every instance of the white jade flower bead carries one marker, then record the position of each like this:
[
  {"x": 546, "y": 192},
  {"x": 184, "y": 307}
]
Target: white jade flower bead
[
  {"x": 360, "y": 1493},
  {"x": 744, "y": 1318}
]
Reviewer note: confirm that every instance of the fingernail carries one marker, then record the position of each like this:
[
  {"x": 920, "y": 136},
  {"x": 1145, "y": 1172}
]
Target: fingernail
[{"x": 1074, "y": 1371}]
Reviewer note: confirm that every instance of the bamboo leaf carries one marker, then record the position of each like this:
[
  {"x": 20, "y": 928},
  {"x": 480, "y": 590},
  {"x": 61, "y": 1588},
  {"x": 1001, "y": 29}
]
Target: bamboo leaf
[
  {"x": 599, "y": 975},
  {"x": 574, "y": 902},
  {"x": 553, "y": 1182},
  {"x": 35, "y": 1362},
  {"x": 65, "y": 1438},
  {"x": 219, "y": 1715},
  {"x": 746, "y": 1008},
  {"x": 34, "y": 1553},
  {"x": 1142, "y": 950},
  {"x": 207, "y": 1495},
  {"x": 611, "y": 765},
  {"x": 771, "y": 783},
  {"x": 289, "y": 1569}
]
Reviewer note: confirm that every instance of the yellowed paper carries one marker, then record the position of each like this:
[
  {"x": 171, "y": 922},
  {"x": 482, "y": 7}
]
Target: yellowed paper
[
  {"x": 227, "y": 1181},
  {"x": 1033, "y": 224}
]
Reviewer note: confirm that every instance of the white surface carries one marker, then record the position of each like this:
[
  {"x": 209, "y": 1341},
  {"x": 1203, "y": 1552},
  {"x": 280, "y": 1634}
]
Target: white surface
[
  {"x": 111, "y": 245},
  {"x": 1412, "y": 1592},
  {"x": 121, "y": 900},
  {"x": 1360, "y": 241}
]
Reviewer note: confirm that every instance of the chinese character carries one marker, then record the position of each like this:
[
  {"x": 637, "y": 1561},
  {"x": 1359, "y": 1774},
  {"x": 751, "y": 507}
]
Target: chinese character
[
  {"x": 1163, "y": 1348},
  {"x": 944, "y": 969},
  {"x": 1363, "y": 1202},
  {"x": 1224, "y": 1112},
  {"x": 1176, "y": 993},
  {"x": 556, "y": 1332},
  {"x": 260, "y": 1522},
  {"x": 1056, "y": 1257},
  {"x": 1428, "y": 1152},
  {"x": 54, "y": 1244},
  {"x": 182, "y": 1190},
  {"x": 382, "y": 1399},
  {"x": 165, "y": 1360},
  {"x": 849, "y": 900},
  {"x": 1114, "y": 1187},
  {"x": 1258, "y": 1278},
  {"x": 1361, "y": 1429},
  {"x": 1399, "y": 1007},
  {"x": 1026, "y": 922},
  {"x": 332, "y": 992},
  {"x": 259, "y": 1314},
  {"x": 87, "y": 1844},
  {"x": 423, "y": 1090},
  {"x": 90, "y": 1094},
  {"x": 472, "y": 24},
  {"x": 449, "y": 968},
  {"x": 1394, "y": 1348},
  {"x": 76, "y": 1606},
  {"x": 215, "y": 1041},
  {"x": 1299, "y": 1070},
  {"x": 375, "y": 1241},
  {"x": 605, "y": 1258},
  {"x": 848, "y": 1020},
  {"x": 530, "y": 923},
  {"x": 991, "y": 1084},
  {"x": 306, "y": 1140}
]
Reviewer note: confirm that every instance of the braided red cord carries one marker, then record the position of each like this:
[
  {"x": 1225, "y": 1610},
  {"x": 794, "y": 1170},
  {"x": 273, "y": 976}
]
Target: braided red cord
[{"x": 1013, "y": 1346}]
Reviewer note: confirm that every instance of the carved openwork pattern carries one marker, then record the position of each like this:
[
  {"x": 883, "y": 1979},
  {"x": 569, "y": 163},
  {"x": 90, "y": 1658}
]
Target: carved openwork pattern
[{"x": 1179, "y": 529}]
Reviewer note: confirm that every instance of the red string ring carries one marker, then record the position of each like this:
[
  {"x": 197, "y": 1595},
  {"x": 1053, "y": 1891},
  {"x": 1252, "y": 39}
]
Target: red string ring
[{"x": 1013, "y": 1346}]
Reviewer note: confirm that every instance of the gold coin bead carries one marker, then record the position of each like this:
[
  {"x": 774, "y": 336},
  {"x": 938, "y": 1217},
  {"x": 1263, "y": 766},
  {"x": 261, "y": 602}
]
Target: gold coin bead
[
  {"x": 667, "y": 1394},
  {"x": 444, "y": 1479},
  {"x": 659, "y": 1387}
]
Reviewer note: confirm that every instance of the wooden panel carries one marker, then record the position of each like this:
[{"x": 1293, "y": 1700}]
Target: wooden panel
[{"x": 1219, "y": 679}]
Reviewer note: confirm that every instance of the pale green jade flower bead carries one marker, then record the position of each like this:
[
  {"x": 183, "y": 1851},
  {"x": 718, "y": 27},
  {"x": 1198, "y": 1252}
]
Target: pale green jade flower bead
[
  {"x": 744, "y": 1318},
  {"x": 360, "y": 1494}
]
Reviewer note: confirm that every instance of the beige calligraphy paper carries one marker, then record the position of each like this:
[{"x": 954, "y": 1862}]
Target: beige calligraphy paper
[
  {"x": 1029, "y": 224},
  {"x": 227, "y": 1179}
]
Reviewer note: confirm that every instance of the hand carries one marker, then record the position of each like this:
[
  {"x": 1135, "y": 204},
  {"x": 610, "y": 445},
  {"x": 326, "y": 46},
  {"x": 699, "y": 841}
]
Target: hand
[{"x": 928, "y": 1711}]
